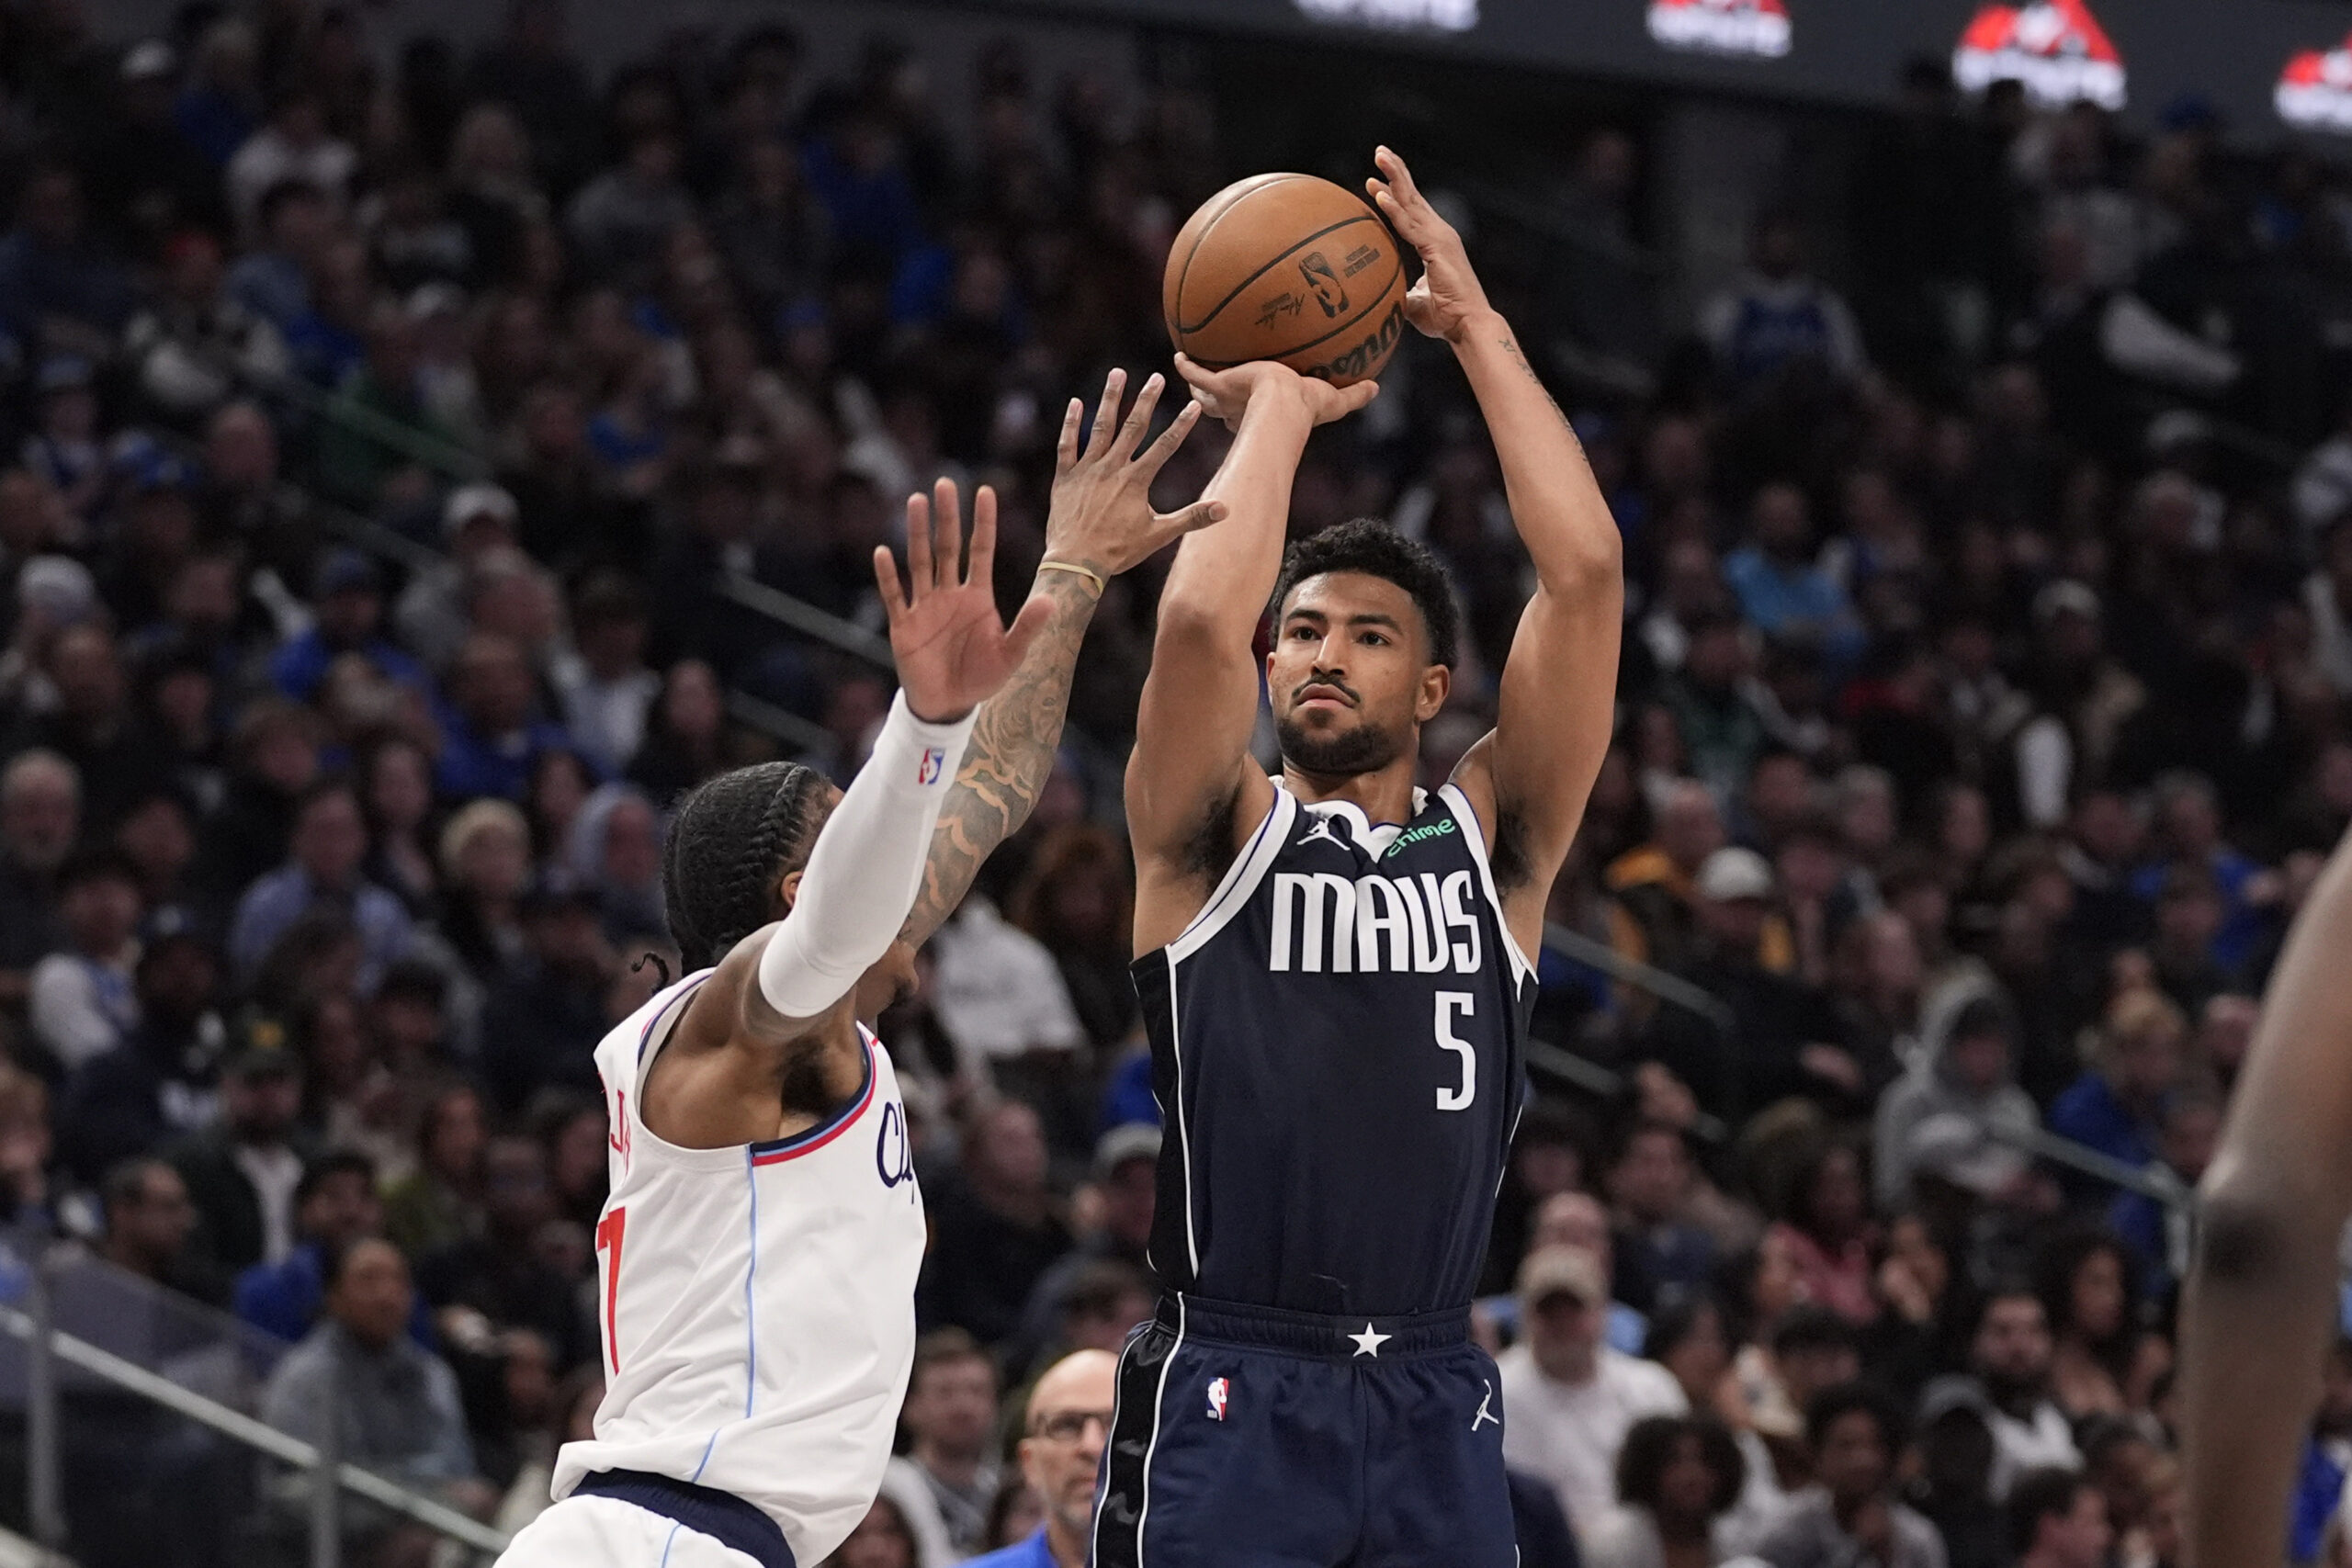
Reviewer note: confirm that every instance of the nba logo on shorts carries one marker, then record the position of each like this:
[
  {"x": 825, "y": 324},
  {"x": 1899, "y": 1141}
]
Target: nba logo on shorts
[
  {"x": 934, "y": 762},
  {"x": 1217, "y": 1392}
]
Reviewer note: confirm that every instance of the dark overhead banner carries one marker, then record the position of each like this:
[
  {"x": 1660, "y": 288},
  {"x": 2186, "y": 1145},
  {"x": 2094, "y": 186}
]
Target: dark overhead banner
[{"x": 2268, "y": 67}]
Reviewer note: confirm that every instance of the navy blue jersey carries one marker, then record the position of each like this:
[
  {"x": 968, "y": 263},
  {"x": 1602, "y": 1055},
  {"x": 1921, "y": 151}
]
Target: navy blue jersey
[{"x": 1336, "y": 1043}]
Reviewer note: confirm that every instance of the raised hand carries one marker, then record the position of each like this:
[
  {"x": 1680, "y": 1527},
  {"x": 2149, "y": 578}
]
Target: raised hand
[
  {"x": 952, "y": 647},
  {"x": 1101, "y": 518},
  {"x": 1227, "y": 394},
  {"x": 1448, "y": 296}
]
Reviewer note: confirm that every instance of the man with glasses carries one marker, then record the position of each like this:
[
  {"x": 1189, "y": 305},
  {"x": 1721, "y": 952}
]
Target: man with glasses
[{"x": 1069, "y": 1415}]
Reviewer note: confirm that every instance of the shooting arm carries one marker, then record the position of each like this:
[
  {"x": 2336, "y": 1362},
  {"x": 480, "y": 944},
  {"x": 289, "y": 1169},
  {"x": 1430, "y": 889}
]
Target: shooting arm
[
  {"x": 2261, "y": 1293},
  {"x": 1199, "y": 702},
  {"x": 1530, "y": 777}
]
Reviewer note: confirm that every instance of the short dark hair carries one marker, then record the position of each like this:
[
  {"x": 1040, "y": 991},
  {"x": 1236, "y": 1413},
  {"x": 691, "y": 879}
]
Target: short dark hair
[
  {"x": 1833, "y": 1404},
  {"x": 1373, "y": 547},
  {"x": 102, "y": 864},
  {"x": 2034, "y": 1496},
  {"x": 126, "y": 1183},
  {"x": 943, "y": 1346},
  {"x": 335, "y": 1257},
  {"x": 734, "y": 838},
  {"x": 1649, "y": 1449},
  {"x": 1809, "y": 1328},
  {"x": 327, "y": 1167}
]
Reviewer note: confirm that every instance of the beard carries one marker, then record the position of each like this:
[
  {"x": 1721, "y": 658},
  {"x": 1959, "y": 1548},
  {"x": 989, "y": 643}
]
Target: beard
[{"x": 1365, "y": 749}]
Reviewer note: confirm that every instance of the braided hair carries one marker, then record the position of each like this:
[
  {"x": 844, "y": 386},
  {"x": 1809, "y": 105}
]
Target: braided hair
[{"x": 734, "y": 838}]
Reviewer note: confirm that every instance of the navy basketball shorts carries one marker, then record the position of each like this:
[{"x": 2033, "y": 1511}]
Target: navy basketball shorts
[{"x": 1245, "y": 1437}]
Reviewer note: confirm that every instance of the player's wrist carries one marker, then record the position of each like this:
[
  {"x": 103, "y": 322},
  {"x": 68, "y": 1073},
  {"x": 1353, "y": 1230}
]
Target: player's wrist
[{"x": 1480, "y": 325}]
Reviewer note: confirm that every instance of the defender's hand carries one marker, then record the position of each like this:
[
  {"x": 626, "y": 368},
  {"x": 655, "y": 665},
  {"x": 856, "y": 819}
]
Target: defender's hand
[
  {"x": 953, "y": 650},
  {"x": 1229, "y": 394},
  {"x": 1448, "y": 296},
  {"x": 1101, "y": 518}
]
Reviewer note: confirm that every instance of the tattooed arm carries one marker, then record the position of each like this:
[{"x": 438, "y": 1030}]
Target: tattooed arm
[
  {"x": 1100, "y": 525},
  {"x": 1528, "y": 779}
]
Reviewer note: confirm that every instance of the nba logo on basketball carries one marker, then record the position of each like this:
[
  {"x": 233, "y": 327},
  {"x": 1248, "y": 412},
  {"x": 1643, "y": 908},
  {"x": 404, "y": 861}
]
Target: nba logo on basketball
[
  {"x": 933, "y": 764},
  {"x": 1217, "y": 1392}
]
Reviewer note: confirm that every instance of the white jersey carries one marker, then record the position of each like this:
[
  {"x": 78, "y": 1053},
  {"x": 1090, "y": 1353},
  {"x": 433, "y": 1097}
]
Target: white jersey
[{"x": 756, "y": 1302}]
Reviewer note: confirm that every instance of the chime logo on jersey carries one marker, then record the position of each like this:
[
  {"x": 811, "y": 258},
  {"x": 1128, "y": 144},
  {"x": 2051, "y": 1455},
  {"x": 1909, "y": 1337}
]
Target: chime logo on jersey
[
  {"x": 1219, "y": 1391},
  {"x": 1403, "y": 925},
  {"x": 2055, "y": 48},
  {"x": 2316, "y": 90},
  {"x": 1721, "y": 27}
]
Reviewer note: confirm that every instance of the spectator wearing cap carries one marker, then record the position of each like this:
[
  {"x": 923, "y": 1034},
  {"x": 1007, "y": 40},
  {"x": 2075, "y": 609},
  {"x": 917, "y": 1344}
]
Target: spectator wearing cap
[
  {"x": 154, "y": 530},
  {"x": 1934, "y": 1120},
  {"x": 395, "y": 1403},
  {"x": 1571, "y": 1398},
  {"x": 491, "y": 731},
  {"x": 329, "y": 841},
  {"x": 1654, "y": 889},
  {"x": 334, "y": 1206},
  {"x": 242, "y": 1171},
  {"x": 40, "y": 818},
  {"x": 606, "y": 689},
  {"x": 1853, "y": 1514},
  {"x": 197, "y": 345},
  {"x": 146, "y": 178},
  {"x": 476, "y": 520},
  {"x": 151, "y": 1229},
  {"x": 83, "y": 1003},
  {"x": 348, "y": 593},
  {"x": 159, "y": 1084},
  {"x": 1742, "y": 953}
]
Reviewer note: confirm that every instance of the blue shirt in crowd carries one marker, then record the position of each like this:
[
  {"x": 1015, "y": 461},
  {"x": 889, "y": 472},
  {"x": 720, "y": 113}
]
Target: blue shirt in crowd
[{"x": 1030, "y": 1554}]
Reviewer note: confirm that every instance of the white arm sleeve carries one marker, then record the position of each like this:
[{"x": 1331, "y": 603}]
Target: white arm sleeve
[{"x": 867, "y": 866}]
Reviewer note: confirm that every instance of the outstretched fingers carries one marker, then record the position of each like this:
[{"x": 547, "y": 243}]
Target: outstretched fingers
[
  {"x": 948, "y": 534},
  {"x": 1139, "y": 419},
  {"x": 887, "y": 583},
  {"x": 1106, "y": 413},
  {"x": 980, "y": 565},
  {"x": 1065, "y": 448},
  {"x": 918, "y": 545}
]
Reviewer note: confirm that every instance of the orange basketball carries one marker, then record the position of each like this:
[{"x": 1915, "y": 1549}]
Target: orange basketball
[{"x": 1288, "y": 267}]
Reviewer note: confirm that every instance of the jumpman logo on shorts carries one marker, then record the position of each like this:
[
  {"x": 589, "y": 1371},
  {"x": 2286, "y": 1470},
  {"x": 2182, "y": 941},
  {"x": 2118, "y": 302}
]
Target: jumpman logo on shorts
[{"x": 1486, "y": 1408}]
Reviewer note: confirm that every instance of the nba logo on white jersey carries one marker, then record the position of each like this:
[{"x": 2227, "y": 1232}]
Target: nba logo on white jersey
[
  {"x": 933, "y": 764},
  {"x": 1218, "y": 1389}
]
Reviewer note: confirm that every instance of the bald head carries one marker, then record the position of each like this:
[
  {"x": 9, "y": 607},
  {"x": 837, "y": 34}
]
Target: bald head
[{"x": 1069, "y": 1419}]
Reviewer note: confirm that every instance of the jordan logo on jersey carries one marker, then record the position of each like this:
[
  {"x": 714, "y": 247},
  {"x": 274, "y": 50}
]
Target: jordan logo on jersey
[
  {"x": 1321, "y": 830},
  {"x": 1403, "y": 925}
]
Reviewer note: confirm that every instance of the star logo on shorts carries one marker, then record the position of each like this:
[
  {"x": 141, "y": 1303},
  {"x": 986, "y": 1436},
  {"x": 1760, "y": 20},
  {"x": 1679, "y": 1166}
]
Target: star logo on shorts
[{"x": 1369, "y": 1342}]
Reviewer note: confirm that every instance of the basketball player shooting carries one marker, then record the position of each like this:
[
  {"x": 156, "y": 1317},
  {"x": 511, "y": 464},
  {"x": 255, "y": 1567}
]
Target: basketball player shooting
[
  {"x": 1334, "y": 972},
  {"x": 758, "y": 1254},
  {"x": 2261, "y": 1308}
]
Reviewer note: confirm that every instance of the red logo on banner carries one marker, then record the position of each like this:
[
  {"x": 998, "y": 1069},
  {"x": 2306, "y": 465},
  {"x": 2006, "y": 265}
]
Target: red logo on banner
[
  {"x": 2055, "y": 48},
  {"x": 2316, "y": 90},
  {"x": 1721, "y": 27}
]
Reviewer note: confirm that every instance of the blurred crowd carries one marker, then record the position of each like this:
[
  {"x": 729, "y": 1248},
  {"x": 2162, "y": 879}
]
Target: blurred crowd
[{"x": 399, "y": 437}]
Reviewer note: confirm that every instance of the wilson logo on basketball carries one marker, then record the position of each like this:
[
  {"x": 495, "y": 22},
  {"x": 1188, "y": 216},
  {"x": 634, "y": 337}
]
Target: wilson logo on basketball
[
  {"x": 1366, "y": 356},
  {"x": 1324, "y": 281},
  {"x": 1757, "y": 27},
  {"x": 2055, "y": 49}
]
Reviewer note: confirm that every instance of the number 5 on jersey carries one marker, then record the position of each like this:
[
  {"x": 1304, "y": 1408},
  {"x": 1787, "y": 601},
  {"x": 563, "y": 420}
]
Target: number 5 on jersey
[
  {"x": 609, "y": 1231},
  {"x": 1458, "y": 1098}
]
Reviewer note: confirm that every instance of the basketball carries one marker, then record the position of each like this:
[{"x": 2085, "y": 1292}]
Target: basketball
[{"x": 1286, "y": 267}]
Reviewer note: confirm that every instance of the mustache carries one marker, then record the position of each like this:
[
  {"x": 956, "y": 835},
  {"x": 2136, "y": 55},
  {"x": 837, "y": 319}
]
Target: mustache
[{"x": 1322, "y": 678}]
